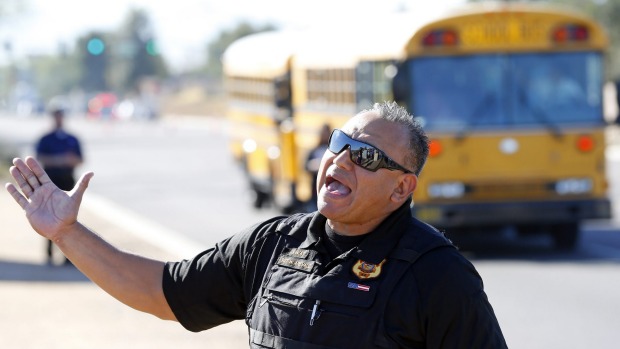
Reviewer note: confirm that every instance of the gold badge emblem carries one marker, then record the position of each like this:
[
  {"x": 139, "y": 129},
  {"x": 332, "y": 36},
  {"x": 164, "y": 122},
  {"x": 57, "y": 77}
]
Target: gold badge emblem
[{"x": 365, "y": 270}]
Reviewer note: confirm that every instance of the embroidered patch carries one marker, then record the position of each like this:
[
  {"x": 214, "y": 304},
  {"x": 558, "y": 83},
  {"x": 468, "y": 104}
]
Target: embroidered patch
[
  {"x": 365, "y": 270},
  {"x": 299, "y": 253},
  {"x": 295, "y": 263}
]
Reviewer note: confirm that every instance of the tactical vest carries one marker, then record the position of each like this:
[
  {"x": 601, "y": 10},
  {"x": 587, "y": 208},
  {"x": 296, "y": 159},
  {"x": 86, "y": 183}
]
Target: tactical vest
[{"x": 302, "y": 306}]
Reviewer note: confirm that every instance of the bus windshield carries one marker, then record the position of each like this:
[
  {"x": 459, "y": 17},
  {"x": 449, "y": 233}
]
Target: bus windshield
[{"x": 465, "y": 93}]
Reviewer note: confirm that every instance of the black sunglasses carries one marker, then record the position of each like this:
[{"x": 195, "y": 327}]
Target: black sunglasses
[{"x": 362, "y": 154}]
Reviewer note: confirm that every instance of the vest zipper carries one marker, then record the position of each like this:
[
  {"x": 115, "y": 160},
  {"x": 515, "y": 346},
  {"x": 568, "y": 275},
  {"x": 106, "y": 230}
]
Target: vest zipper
[
  {"x": 265, "y": 300},
  {"x": 316, "y": 312}
]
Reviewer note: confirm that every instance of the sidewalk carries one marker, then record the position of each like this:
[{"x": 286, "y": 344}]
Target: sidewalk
[{"x": 57, "y": 307}]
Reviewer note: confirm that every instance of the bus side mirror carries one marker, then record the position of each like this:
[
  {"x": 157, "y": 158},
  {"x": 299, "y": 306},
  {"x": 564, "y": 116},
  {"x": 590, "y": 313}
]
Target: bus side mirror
[{"x": 283, "y": 92}]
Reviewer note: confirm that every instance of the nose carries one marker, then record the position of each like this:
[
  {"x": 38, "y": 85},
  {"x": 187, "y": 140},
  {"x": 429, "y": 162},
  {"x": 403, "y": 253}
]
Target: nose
[{"x": 343, "y": 159}]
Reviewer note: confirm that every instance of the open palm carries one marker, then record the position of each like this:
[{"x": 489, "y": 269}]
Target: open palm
[{"x": 48, "y": 209}]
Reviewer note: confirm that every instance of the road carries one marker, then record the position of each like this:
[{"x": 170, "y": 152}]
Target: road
[
  {"x": 177, "y": 175},
  {"x": 174, "y": 181}
]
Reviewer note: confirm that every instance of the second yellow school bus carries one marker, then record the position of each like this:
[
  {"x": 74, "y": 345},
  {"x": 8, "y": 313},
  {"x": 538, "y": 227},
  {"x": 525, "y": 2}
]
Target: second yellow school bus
[{"x": 509, "y": 93}]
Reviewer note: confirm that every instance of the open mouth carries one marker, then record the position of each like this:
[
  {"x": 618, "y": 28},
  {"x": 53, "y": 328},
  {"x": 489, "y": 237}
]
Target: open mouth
[{"x": 335, "y": 187}]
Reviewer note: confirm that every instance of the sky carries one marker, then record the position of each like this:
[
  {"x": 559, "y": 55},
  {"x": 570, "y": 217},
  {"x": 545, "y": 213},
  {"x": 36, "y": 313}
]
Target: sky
[{"x": 183, "y": 27}]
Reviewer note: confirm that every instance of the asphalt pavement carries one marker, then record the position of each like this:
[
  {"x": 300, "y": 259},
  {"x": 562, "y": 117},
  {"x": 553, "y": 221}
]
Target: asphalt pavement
[{"x": 56, "y": 306}]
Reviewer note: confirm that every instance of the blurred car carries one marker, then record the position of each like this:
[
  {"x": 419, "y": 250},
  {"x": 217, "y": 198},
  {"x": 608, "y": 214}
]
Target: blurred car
[{"x": 102, "y": 106}]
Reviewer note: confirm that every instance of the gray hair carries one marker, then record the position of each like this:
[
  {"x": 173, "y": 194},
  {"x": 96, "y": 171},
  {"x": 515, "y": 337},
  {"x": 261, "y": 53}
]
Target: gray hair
[{"x": 418, "y": 141}]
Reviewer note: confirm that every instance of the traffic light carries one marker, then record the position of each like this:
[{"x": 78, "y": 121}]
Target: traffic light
[
  {"x": 95, "y": 46},
  {"x": 151, "y": 47},
  {"x": 95, "y": 60}
]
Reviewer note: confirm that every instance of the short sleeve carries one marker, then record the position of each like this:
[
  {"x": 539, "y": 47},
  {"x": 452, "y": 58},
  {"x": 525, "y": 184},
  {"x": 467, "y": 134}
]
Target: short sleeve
[{"x": 214, "y": 287}]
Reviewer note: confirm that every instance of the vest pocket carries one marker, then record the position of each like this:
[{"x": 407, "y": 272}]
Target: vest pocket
[
  {"x": 338, "y": 288},
  {"x": 313, "y": 320},
  {"x": 319, "y": 309}
]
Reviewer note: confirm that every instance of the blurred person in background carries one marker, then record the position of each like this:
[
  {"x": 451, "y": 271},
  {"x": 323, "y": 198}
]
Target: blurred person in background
[
  {"x": 313, "y": 163},
  {"x": 361, "y": 272},
  {"x": 59, "y": 152}
]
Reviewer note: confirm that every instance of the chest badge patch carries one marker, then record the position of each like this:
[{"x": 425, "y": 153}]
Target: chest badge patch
[
  {"x": 295, "y": 263},
  {"x": 365, "y": 270}
]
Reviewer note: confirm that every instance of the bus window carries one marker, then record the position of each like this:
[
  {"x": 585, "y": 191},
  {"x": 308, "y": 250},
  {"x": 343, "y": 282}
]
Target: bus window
[
  {"x": 565, "y": 86},
  {"x": 452, "y": 93},
  {"x": 374, "y": 82},
  {"x": 449, "y": 93}
]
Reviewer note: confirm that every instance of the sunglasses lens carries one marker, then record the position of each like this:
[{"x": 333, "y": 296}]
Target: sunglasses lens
[
  {"x": 362, "y": 154},
  {"x": 367, "y": 157},
  {"x": 337, "y": 142}
]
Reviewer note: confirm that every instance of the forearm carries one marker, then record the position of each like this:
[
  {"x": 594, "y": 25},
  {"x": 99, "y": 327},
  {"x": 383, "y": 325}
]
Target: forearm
[{"x": 132, "y": 279}]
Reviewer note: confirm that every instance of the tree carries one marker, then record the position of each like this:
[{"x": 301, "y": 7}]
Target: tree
[
  {"x": 137, "y": 55},
  {"x": 56, "y": 74}
]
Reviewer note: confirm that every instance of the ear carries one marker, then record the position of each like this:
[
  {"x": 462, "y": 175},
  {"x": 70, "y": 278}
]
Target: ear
[{"x": 407, "y": 182}]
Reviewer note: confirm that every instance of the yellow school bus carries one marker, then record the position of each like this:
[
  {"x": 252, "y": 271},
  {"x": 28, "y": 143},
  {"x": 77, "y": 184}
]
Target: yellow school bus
[
  {"x": 509, "y": 93},
  {"x": 257, "y": 81}
]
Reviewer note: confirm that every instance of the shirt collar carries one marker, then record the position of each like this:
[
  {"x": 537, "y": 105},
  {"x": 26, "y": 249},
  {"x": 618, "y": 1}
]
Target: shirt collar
[
  {"x": 381, "y": 241},
  {"x": 314, "y": 232},
  {"x": 386, "y": 236}
]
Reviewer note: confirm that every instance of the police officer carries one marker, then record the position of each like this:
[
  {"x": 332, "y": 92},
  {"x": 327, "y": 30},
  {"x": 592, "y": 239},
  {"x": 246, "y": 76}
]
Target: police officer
[{"x": 358, "y": 273}]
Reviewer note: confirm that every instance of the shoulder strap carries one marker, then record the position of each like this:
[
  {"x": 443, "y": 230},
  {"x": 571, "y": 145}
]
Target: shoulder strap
[
  {"x": 418, "y": 240},
  {"x": 294, "y": 223}
]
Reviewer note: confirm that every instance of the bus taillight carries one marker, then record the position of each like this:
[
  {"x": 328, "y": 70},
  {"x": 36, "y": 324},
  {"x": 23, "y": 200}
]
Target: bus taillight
[
  {"x": 570, "y": 33},
  {"x": 434, "y": 148},
  {"x": 441, "y": 38},
  {"x": 585, "y": 143}
]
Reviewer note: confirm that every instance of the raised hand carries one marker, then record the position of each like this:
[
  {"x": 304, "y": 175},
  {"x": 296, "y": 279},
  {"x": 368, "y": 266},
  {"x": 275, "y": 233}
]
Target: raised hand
[{"x": 48, "y": 209}]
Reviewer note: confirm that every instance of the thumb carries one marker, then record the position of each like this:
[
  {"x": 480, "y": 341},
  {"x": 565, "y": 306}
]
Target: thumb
[{"x": 81, "y": 185}]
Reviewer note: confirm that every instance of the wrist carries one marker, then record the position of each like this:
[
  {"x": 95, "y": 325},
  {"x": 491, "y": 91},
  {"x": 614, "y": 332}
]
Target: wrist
[{"x": 66, "y": 232}]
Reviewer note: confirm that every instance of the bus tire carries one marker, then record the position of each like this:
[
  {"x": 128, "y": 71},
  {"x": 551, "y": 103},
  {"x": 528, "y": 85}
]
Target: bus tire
[{"x": 565, "y": 236}]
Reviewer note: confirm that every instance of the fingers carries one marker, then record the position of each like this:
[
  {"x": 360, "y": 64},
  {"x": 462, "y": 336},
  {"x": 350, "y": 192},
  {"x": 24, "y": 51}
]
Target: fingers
[
  {"x": 29, "y": 175},
  {"x": 37, "y": 170},
  {"x": 81, "y": 185},
  {"x": 21, "y": 181},
  {"x": 19, "y": 198},
  {"x": 26, "y": 173}
]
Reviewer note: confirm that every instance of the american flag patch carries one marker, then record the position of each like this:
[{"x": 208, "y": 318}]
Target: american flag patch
[{"x": 359, "y": 287}]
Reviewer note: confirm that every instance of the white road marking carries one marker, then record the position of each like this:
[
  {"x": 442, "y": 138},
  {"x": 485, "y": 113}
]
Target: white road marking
[{"x": 148, "y": 230}]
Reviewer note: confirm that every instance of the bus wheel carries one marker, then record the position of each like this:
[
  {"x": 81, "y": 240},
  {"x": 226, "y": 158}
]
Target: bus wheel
[{"x": 565, "y": 236}]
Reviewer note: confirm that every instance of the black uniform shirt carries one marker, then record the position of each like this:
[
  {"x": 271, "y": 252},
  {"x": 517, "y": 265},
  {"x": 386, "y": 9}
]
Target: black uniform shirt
[
  {"x": 438, "y": 303},
  {"x": 59, "y": 142}
]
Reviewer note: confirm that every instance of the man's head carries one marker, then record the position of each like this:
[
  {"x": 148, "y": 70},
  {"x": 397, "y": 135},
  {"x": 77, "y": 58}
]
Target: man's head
[
  {"x": 58, "y": 114},
  {"x": 357, "y": 192}
]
